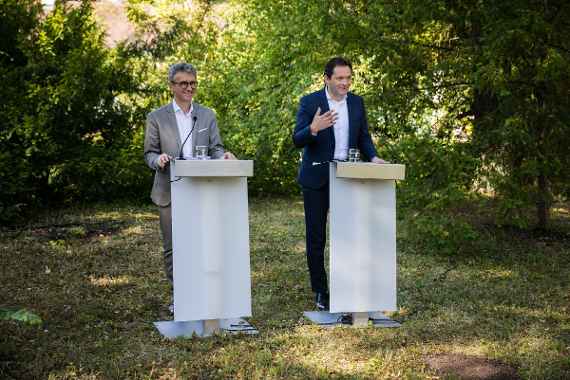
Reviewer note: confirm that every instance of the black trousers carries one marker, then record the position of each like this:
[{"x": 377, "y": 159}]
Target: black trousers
[{"x": 316, "y": 204}]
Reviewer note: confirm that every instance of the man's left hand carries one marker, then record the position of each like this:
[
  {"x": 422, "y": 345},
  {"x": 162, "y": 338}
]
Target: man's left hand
[
  {"x": 377, "y": 160},
  {"x": 229, "y": 156}
]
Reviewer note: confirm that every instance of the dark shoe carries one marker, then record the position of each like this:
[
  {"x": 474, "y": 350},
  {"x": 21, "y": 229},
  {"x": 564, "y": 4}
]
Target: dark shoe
[
  {"x": 322, "y": 301},
  {"x": 345, "y": 319}
]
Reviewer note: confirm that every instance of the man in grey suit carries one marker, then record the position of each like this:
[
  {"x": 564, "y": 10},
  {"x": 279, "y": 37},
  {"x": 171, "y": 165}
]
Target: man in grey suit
[{"x": 173, "y": 131}]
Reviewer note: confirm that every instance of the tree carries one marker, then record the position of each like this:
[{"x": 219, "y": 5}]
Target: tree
[
  {"x": 66, "y": 127},
  {"x": 17, "y": 21},
  {"x": 490, "y": 74}
]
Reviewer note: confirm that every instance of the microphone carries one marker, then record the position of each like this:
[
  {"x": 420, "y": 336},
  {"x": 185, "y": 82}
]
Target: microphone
[{"x": 181, "y": 155}]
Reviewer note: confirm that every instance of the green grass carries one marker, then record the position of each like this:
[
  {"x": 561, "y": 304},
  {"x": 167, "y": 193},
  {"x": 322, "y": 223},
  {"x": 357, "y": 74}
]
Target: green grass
[{"x": 94, "y": 276}]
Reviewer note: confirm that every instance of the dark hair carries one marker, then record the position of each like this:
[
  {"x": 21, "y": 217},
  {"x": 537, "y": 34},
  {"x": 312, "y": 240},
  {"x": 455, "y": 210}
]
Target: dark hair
[
  {"x": 180, "y": 67},
  {"x": 334, "y": 62}
]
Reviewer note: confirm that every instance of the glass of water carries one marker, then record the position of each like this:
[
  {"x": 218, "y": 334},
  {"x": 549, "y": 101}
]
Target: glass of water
[
  {"x": 201, "y": 152},
  {"x": 353, "y": 155}
]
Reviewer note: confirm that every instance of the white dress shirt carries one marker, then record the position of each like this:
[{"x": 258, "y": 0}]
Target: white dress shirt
[
  {"x": 340, "y": 126},
  {"x": 184, "y": 122}
]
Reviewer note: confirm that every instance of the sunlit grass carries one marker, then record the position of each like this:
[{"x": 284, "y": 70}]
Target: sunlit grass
[
  {"x": 94, "y": 275},
  {"x": 108, "y": 281}
]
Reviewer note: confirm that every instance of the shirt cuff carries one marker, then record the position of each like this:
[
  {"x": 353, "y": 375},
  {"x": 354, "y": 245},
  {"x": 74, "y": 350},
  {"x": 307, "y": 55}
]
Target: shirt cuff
[{"x": 156, "y": 165}]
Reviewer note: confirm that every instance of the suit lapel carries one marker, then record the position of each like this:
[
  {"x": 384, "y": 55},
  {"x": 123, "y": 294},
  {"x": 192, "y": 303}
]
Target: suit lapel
[
  {"x": 324, "y": 103},
  {"x": 173, "y": 125},
  {"x": 352, "y": 125}
]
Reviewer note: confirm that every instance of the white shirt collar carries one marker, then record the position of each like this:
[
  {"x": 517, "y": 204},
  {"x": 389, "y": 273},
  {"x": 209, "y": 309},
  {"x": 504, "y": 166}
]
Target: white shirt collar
[
  {"x": 329, "y": 97},
  {"x": 177, "y": 107}
]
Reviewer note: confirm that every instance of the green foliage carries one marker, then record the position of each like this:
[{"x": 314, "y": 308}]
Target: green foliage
[
  {"x": 257, "y": 87},
  {"x": 252, "y": 74},
  {"x": 21, "y": 315},
  {"x": 504, "y": 66},
  {"x": 438, "y": 175},
  {"x": 440, "y": 233},
  {"x": 82, "y": 125},
  {"x": 495, "y": 74},
  {"x": 66, "y": 135},
  {"x": 521, "y": 128},
  {"x": 17, "y": 20},
  {"x": 466, "y": 94},
  {"x": 438, "y": 179}
]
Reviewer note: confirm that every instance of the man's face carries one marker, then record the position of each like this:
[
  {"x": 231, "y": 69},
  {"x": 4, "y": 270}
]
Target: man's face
[
  {"x": 183, "y": 87},
  {"x": 339, "y": 82}
]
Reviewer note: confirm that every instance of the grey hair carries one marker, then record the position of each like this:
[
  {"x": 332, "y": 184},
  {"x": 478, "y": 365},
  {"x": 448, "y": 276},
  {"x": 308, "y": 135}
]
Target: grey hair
[{"x": 180, "y": 67}]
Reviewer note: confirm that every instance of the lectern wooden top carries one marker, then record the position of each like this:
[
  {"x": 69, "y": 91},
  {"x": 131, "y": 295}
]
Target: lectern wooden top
[
  {"x": 369, "y": 170},
  {"x": 213, "y": 168}
]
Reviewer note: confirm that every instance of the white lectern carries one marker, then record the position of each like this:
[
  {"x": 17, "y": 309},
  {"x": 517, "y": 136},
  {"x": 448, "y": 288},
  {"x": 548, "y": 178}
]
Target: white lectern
[
  {"x": 210, "y": 241},
  {"x": 362, "y": 244}
]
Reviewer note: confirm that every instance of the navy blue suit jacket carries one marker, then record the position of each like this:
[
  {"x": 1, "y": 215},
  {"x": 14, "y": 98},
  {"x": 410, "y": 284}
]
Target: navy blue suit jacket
[{"x": 318, "y": 150}]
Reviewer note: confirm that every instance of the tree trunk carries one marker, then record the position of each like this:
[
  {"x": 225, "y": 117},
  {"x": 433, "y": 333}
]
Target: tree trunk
[{"x": 543, "y": 203}]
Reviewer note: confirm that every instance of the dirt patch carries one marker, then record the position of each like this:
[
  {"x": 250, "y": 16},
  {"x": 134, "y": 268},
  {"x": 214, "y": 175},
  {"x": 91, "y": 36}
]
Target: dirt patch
[{"x": 471, "y": 367}]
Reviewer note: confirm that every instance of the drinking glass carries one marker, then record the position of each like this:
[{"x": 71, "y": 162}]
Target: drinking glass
[
  {"x": 353, "y": 155},
  {"x": 201, "y": 152}
]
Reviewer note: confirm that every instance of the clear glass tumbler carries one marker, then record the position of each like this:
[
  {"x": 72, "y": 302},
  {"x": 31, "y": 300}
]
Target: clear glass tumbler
[
  {"x": 201, "y": 152},
  {"x": 353, "y": 155}
]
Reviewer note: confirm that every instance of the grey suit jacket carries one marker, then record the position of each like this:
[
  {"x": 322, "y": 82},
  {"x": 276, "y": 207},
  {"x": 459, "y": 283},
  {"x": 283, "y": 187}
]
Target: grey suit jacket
[{"x": 162, "y": 136}]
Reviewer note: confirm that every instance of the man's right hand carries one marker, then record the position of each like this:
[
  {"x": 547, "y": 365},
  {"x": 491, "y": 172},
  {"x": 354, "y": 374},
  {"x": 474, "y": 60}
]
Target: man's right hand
[
  {"x": 163, "y": 159},
  {"x": 323, "y": 121}
]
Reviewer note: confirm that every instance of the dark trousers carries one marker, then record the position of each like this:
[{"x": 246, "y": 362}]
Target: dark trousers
[{"x": 316, "y": 204}]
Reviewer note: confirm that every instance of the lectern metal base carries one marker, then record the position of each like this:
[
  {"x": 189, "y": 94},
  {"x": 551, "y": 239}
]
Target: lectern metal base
[
  {"x": 326, "y": 319},
  {"x": 179, "y": 329}
]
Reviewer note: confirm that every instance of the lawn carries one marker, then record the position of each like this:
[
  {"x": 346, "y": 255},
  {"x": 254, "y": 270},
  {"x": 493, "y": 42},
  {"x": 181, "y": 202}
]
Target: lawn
[{"x": 94, "y": 276}]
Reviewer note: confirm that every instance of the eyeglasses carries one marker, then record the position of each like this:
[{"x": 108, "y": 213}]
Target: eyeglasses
[{"x": 185, "y": 84}]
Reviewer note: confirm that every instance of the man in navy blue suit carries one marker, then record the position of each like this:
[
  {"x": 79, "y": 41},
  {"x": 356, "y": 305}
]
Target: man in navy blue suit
[{"x": 329, "y": 122}]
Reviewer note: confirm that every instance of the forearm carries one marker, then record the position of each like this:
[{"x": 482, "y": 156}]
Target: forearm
[
  {"x": 151, "y": 145},
  {"x": 302, "y": 135},
  {"x": 151, "y": 160}
]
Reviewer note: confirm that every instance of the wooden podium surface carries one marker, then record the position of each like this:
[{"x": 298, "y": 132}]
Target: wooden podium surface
[
  {"x": 368, "y": 170},
  {"x": 213, "y": 168}
]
